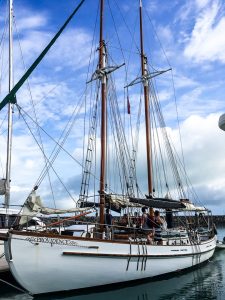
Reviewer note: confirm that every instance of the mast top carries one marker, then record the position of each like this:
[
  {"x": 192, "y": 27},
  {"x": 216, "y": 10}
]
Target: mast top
[{"x": 140, "y": 3}]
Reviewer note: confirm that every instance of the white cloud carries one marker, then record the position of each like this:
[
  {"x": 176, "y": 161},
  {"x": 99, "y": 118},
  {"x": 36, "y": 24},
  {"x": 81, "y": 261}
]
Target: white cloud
[
  {"x": 165, "y": 34},
  {"x": 202, "y": 3},
  {"x": 207, "y": 40},
  {"x": 185, "y": 12},
  {"x": 26, "y": 164},
  {"x": 164, "y": 95},
  {"x": 30, "y": 21},
  {"x": 203, "y": 145},
  {"x": 72, "y": 49},
  {"x": 183, "y": 81}
]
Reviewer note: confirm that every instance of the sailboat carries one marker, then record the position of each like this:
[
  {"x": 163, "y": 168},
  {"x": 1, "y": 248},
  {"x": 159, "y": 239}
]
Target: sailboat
[{"x": 45, "y": 262}]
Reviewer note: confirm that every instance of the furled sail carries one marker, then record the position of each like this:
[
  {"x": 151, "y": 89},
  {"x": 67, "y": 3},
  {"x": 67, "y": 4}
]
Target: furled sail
[
  {"x": 115, "y": 202},
  {"x": 158, "y": 203},
  {"x": 191, "y": 207},
  {"x": 33, "y": 206}
]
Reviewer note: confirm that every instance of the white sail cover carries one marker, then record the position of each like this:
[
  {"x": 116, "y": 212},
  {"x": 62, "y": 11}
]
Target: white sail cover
[
  {"x": 191, "y": 207},
  {"x": 121, "y": 200},
  {"x": 34, "y": 206}
]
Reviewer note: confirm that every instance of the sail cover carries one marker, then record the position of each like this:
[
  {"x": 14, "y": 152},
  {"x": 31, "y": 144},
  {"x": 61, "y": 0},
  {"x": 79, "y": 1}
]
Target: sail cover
[
  {"x": 115, "y": 202},
  {"x": 33, "y": 206},
  {"x": 159, "y": 203},
  {"x": 191, "y": 207}
]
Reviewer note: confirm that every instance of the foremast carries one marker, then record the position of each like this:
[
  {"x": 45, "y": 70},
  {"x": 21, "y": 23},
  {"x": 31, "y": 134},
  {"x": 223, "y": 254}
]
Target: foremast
[
  {"x": 144, "y": 69},
  {"x": 10, "y": 113},
  {"x": 102, "y": 65}
]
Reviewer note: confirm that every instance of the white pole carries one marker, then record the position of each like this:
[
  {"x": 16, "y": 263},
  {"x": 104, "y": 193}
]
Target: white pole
[{"x": 10, "y": 112}]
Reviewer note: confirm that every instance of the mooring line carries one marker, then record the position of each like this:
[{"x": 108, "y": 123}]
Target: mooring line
[{"x": 14, "y": 286}]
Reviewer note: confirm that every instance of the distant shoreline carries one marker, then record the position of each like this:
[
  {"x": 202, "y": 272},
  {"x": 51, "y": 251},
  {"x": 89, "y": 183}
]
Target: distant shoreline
[{"x": 219, "y": 220}]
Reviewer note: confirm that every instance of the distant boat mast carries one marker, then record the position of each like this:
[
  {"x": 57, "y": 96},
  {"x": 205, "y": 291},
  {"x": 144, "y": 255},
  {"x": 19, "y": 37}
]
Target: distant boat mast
[{"x": 10, "y": 111}]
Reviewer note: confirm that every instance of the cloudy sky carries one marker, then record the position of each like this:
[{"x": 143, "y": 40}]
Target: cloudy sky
[{"x": 186, "y": 35}]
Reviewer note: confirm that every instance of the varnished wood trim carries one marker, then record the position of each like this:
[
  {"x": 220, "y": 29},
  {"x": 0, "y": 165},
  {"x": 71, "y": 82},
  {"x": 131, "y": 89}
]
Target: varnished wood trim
[
  {"x": 131, "y": 255},
  {"x": 64, "y": 237}
]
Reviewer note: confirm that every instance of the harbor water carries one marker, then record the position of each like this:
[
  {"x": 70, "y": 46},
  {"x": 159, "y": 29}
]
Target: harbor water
[{"x": 205, "y": 282}]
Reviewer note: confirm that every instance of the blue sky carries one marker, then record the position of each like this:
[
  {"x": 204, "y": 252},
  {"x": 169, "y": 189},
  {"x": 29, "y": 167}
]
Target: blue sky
[{"x": 192, "y": 36}]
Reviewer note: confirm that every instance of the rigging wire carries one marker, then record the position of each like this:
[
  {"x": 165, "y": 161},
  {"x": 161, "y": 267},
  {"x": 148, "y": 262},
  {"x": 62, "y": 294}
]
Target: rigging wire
[
  {"x": 90, "y": 147},
  {"x": 124, "y": 20},
  {"x": 136, "y": 140},
  {"x": 89, "y": 71},
  {"x": 178, "y": 121},
  {"x": 46, "y": 156},
  {"x": 56, "y": 142},
  {"x": 93, "y": 109},
  {"x": 35, "y": 114},
  {"x": 167, "y": 142},
  {"x": 62, "y": 139},
  {"x": 157, "y": 167},
  {"x": 126, "y": 94},
  {"x": 159, "y": 147},
  {"x": 174, "y": 92},
  {"x": 122, "y": 143}
]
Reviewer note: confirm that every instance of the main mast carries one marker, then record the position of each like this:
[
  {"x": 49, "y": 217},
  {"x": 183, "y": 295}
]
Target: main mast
[
  {"x": 102, "y": 65},
  {"x": 10, "y": 111},
  {"x": 144, "y": 70}
]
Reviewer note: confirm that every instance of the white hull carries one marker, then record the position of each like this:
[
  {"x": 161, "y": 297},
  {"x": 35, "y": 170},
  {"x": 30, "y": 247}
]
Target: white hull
[{"x": 43, "y": 264}]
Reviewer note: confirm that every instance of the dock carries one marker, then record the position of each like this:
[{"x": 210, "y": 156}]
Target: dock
[{"x": 3, "y": 263}]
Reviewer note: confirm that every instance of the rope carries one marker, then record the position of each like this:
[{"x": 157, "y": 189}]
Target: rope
[
  {"x": 35, "y": 115},
  {"x": 90, "y": 71},
  {"x": 48, "y": 160},
  {"x": 167, "y": 141},
  {"x": 121, "y": 143},
  {"x": 155, "y": 32},
  {"x": 90, "y": 149},
  {"x": 132, "y": 35},
  {"x": 15, "y": 287},
  {"x": 178, "y": 122},
  {"x": 56, "y": 142},
  {"x": 67, "y": 219},
  {"x": 175, "y": 100}
]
